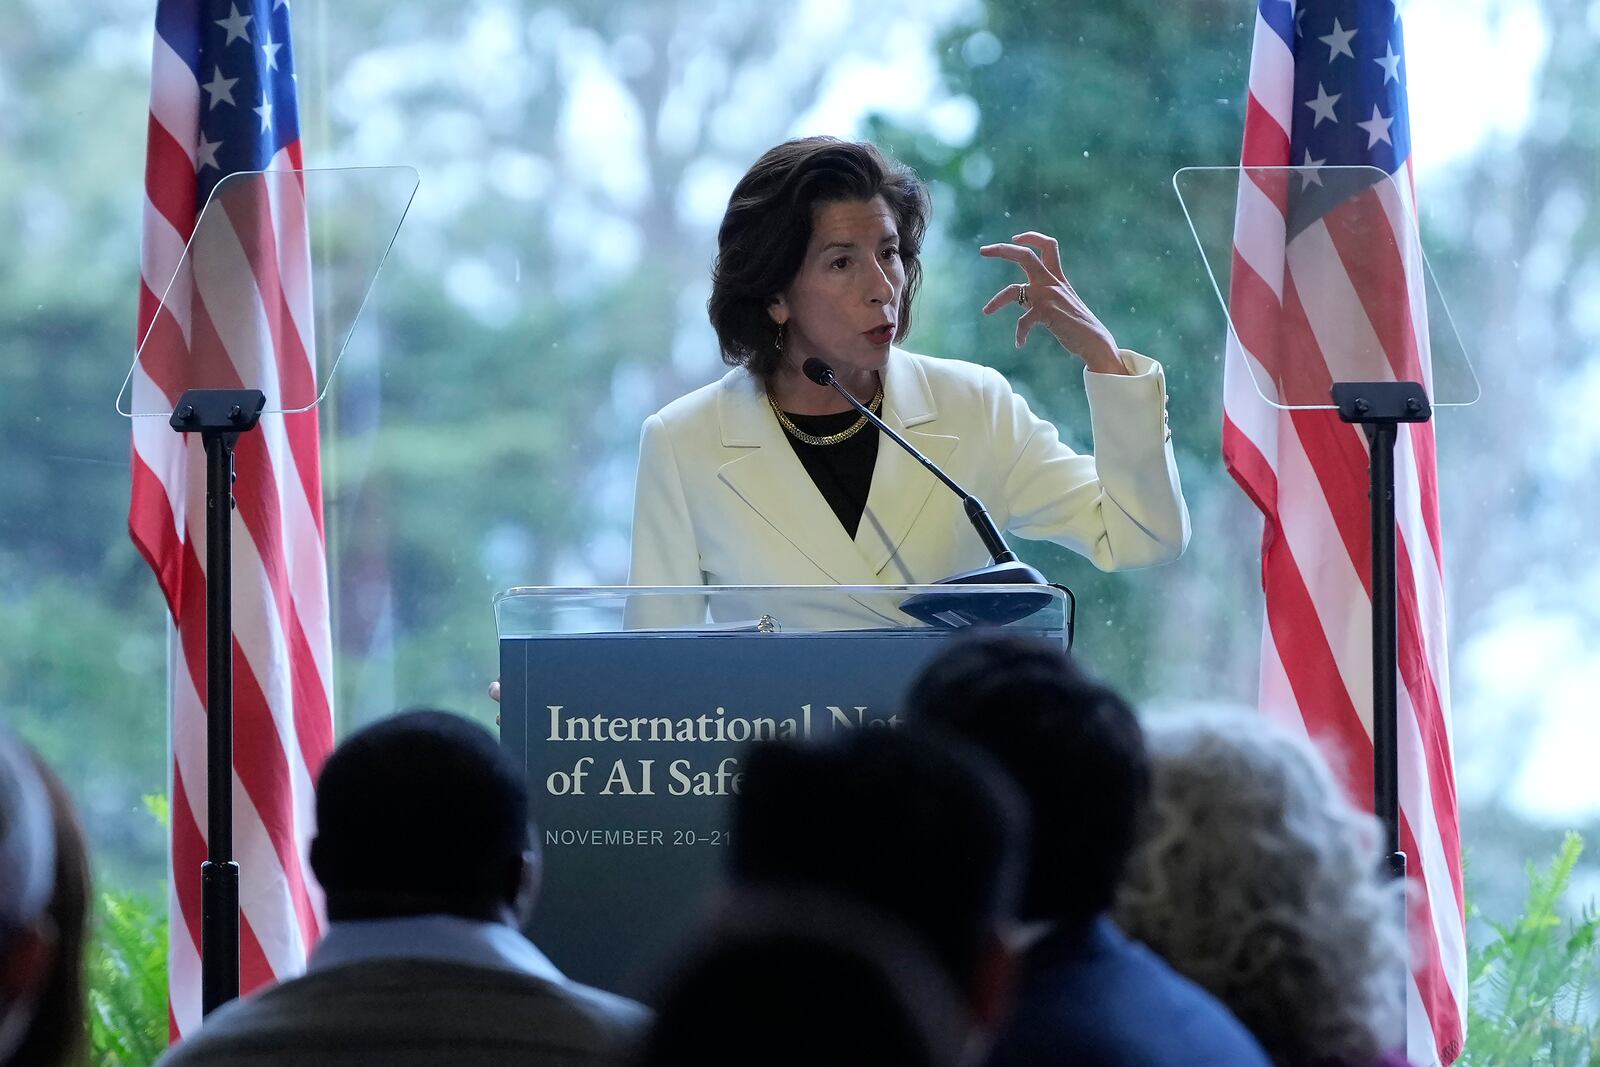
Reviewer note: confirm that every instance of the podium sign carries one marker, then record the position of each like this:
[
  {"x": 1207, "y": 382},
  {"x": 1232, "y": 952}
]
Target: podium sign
[{"x": 632, "y": 740}]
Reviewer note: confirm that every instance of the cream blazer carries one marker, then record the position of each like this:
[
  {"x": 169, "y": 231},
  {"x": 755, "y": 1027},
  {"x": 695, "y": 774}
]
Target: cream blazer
[{"x": 721, "y": 498}]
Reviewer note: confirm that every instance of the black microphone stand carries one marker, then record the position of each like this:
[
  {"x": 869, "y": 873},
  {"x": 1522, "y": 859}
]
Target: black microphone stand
[
  {"x": 1004, "y": 567},
  {"x": 219, "y": 416}
]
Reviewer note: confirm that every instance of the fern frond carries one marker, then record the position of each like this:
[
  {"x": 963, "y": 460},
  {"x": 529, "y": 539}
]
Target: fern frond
[
  {"x": 1530, "y": 985},
  {"x": 127, "y": 972}
]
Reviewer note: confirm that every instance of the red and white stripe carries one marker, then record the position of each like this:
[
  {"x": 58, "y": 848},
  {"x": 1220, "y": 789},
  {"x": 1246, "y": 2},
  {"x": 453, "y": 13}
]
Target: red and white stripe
[
  {"x": 241, "y": 315},
  {"x": 1307, "y": 472}
]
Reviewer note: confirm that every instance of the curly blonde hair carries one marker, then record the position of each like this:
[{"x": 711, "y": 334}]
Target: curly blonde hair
[{"x": 1256, "y": 878}]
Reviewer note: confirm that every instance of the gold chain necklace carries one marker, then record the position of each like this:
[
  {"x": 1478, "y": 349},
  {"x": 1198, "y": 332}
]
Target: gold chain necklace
[{"x": 831, "y": 439}]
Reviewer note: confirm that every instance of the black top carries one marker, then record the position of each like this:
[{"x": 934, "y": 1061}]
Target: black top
[{"x": 842, "y": 472}]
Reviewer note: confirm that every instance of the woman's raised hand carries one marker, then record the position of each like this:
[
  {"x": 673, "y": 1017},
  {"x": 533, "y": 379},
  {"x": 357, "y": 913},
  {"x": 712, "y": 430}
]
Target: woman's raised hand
[{"x": 1048, "y": 299}]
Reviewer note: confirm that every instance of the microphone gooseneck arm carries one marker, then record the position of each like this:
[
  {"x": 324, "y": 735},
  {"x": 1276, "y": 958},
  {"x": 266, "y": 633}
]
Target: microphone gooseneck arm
[{"x": 988, "y": 532}]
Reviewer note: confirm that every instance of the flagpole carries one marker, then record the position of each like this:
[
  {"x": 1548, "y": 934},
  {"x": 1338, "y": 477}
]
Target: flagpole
[{"x": 219, "y": 416}]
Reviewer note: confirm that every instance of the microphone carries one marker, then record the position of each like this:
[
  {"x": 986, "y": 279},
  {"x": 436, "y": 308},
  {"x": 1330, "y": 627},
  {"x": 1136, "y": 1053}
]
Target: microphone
[{"x": 1004, "y": 567}]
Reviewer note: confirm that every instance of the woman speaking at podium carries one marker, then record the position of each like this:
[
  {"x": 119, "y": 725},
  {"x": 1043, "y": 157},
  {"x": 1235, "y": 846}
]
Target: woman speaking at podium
[{"x": 767, "y": 478}]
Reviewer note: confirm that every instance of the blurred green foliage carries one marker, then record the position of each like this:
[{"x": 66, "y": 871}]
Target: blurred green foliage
[
  {"x": 127, "y": 973},
  {"x": 84, "y": 674},
  {"x": 1533, "y": 981},
  {"x": 128, "y": 981},
  {"x": 1084, "y": 115}
]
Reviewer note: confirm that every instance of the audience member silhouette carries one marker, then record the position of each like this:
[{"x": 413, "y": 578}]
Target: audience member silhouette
[
  {"x": 44, "y": 906},
  {"x": 796, "y": 979},
  {"x": 60, "y": 1026},
  {"x": 1086, "y": 993},
  {"x": 424, "y": 850},
  {"x": 1256, "y": 877},
  {"x": 926, "y": 832}
]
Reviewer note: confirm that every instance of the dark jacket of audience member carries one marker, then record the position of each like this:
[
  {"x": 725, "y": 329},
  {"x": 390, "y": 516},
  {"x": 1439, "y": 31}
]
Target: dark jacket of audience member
[
  {"x": 1257, "y": 877},
  {"x": 1086, "y": 993},
  {"x": 796, "y": 979},
  {"x": 44, "y": 912},
  {"x": 927, "y": 833},
  {"x": 424, "y": 850}
]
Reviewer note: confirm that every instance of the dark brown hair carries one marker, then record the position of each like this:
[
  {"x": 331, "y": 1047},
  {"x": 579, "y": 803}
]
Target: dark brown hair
[
  {"x": 767, "y": 227},
  {"x": 59, "y": 1031},
  {"x": 387, "y": 848},
  {"x": 1072, "y": 744}
]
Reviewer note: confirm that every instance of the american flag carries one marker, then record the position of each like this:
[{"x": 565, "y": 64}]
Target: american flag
[
  {"x": 222, "y": 100},
  {"x": 1326, "y": 284}
]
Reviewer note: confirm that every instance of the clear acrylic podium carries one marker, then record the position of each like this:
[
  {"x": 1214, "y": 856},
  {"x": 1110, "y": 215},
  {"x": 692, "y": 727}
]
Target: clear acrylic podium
[{"x": 631, "y": 731}]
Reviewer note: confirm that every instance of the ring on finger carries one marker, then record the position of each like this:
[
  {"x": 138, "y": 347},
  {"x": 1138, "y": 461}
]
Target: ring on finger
[{"x": 1022, "y": 295}]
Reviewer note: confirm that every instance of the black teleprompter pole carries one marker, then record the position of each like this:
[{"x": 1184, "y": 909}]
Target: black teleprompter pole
[
  {"x": 219, "y": 416},
  {"x": 1379, "y": 408}
]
